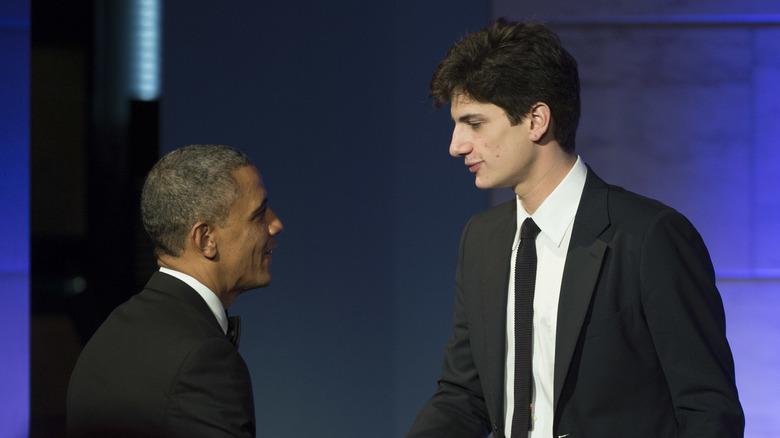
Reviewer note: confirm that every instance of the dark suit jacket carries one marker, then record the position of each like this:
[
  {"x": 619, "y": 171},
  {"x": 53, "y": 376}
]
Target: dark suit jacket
[
  {"x": 640, "y": 345},
  {"x": 161, "y": 366}
]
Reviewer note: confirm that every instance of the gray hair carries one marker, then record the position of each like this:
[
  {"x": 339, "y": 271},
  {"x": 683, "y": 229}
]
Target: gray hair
[{"x": 189, "y": 185}]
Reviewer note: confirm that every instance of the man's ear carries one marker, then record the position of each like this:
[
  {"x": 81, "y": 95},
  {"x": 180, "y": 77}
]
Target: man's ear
[
  {"x": 202, "y": 239},
  {"x": 541, "y": 121}
]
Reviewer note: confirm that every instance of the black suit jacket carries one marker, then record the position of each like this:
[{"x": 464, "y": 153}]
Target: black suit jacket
[
  {"x": 640, "y": 345},
  {"x": 161, "y": 366}
]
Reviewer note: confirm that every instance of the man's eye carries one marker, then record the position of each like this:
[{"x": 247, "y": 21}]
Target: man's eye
[{"x": 475, "y": 125}]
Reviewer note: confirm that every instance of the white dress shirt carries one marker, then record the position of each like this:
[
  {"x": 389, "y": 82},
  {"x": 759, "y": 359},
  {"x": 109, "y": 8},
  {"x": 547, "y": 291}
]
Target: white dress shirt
[
  {"x": 555, "y": 218},
  {"x": 208, "y": 296}
]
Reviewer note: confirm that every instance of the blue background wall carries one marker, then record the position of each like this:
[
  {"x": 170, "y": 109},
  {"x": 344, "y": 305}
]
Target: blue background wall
[
  {"x": 14, "y": 190},
  {"x": 330, "y": 101}
]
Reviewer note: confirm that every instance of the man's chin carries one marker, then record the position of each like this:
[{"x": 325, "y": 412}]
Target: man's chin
[
  {"x": 264, "y": 282},
  {"x": 484, "y": 185},
  {"x": 258, "y": 284}
]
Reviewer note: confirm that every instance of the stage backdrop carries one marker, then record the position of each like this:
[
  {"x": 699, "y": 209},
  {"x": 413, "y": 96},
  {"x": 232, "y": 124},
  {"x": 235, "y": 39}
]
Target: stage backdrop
[
  {"x": 14, "y": 192},
  {"x": 330, "y": 101}
]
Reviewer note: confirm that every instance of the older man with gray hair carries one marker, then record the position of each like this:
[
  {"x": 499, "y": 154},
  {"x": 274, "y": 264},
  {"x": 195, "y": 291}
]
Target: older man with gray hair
[{"x": 166, "y": 363}]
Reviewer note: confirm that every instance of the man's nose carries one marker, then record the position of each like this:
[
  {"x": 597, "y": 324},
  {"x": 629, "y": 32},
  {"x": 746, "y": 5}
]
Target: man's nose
[
  {"x": 460, "y": 145},
  {"x": 275, "y": 226}
]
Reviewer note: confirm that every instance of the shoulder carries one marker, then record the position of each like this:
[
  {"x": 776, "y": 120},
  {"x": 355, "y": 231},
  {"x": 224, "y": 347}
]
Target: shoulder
[
  {"x": 152, "y": 333},
  {"x": 628, "y": 206},
  {"x": 163, "y": 313},
  {"x": 502, "y": 213},
  {"x": 629, "y": 209},
  {"x": 497, "y": 222},
  {"x": 622, "y": 207},
  {"x": 625, "y": 219}
]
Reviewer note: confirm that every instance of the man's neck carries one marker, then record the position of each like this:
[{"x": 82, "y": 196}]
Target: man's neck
[
  {"x": 199, "y": 272},
  {"x": 550, "y": 171}
]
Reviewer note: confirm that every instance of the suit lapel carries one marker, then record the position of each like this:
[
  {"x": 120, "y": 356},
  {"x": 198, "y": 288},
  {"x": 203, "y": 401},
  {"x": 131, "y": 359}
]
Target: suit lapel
[
  {"x": 581, "y": 271},
  {"x": 495, "y": 268}
]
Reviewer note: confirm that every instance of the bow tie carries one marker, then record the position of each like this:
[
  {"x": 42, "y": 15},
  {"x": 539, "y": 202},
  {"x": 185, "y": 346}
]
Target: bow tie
[{"x": 234, "y": 330}]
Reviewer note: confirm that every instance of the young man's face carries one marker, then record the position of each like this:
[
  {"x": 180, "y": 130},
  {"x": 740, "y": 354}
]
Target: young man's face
[{"x": 497, "y": 153}]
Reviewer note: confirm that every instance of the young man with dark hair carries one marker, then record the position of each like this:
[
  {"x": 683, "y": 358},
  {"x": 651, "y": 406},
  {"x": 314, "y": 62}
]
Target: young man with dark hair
[{"x": 581, "y": 309}]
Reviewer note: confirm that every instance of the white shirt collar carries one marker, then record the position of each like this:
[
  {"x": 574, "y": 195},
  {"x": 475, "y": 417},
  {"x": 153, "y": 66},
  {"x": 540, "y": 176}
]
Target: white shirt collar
[
  {"x": 558, "y": 210},
  {"x": 209, "y": 297}
]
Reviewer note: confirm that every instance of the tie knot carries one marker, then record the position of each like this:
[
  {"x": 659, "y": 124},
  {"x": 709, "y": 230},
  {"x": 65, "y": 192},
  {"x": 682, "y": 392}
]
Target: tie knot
[{"x": 529, "y": 230}]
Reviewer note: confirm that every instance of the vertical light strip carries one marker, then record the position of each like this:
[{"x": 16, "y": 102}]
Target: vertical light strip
[{"x": 145, "y": 42}]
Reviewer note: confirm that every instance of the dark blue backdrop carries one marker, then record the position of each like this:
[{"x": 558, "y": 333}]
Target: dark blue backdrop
[{"x": 330, "y": 100}]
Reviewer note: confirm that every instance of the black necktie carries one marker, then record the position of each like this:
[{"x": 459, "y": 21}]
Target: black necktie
[
  {"x": 234, "y": 330},
  {"x": 525, "y": 281}
]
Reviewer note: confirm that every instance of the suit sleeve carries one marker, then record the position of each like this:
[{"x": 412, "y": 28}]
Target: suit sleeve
[
  {"x": 457, "y": 409},
  {"x": 686, "y": 318},
  {"x": 212, "y": 395}
]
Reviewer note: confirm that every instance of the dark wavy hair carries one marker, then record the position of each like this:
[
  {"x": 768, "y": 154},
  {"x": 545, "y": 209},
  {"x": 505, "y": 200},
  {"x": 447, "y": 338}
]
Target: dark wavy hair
[
  {"x": 513, "y": 65},
  {"x": 189, "y": 185}
]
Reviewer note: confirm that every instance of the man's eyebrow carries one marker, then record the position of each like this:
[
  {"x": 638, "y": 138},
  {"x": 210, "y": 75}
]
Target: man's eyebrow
[{"x": 467, "y": 117}]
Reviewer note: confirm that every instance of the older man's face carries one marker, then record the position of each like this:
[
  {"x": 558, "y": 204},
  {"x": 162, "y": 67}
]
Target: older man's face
[{"x": 246, "y": 243}]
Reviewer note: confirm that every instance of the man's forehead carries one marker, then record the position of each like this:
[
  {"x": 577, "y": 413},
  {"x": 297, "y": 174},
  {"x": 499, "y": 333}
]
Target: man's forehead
[
  {"x": 251, "y": 183},
  {"x": 465, "y": 107},
  {"x": 248, "y": 175}
]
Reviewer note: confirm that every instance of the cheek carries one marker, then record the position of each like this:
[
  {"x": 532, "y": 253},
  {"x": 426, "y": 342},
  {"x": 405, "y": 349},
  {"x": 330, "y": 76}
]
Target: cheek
[{"x": 259, "y": 237}]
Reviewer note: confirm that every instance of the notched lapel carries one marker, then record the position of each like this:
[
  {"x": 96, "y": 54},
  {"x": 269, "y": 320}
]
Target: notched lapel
[
  {"x": 581, "y": 272},
  {"x": 493, "y": 266}
]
